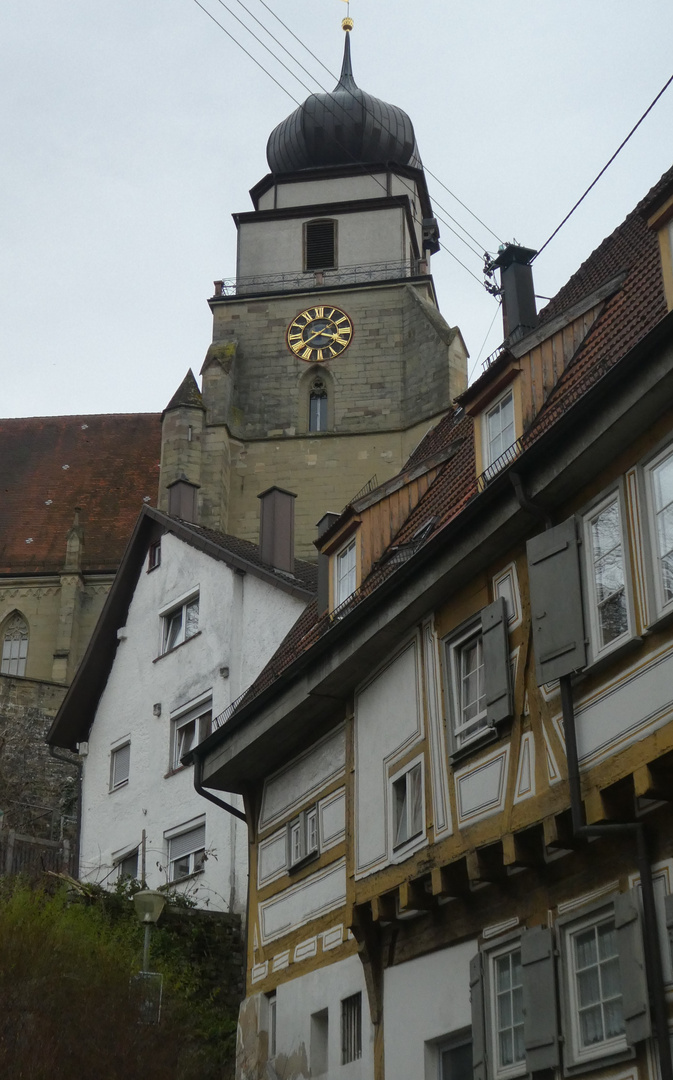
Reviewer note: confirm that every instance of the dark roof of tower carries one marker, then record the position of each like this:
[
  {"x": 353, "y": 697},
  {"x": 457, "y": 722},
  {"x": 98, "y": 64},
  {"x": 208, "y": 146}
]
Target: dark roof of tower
[
  {"x": 187, "y": 393},
  {"x": 345, "y": 127}
]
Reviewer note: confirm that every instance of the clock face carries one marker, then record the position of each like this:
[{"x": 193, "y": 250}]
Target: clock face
[{"x": 320, "y": 333}]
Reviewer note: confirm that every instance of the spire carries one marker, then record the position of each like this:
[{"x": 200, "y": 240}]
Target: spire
[
  {"x": 346, "y": 81},
  {"x": 187, "y": 393}
]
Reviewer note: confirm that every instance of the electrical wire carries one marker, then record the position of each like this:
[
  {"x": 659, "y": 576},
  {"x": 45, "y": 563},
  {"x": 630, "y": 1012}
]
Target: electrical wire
[
  {"x": 291, "y": 96},
  {"x": 483, "y": 344},
  {"x": 605, "y": 167}
]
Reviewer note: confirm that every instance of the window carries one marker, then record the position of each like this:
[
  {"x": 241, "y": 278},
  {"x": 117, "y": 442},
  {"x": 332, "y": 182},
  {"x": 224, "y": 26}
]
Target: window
[
  {"x": 271, "y": 1022},
  {"x": 507, "y": 994},
  {"x": 408, "y": 805},
  {"x": 319, "y": 1042},
  {"x": 15, "y": 646},
  {"x": 455, "y": 1060},
  {"x": 661, "y": 500},
  {"x": 499, "y": 428},
  {"x": 154, "y": 556},
  {"x": 303, "y": 836},
  {"x": 320, "y": 245},
  {"x": 351, "y": 1028},
  {"x": 595, "y": 987},
  {"x": 180, "y": 624},
  {"x": 189, "y": 729},
  {"x": 480, "y": 675},
  {"x": 606, "y": 573},
  {"x": 127, "y": 866},
  {"x": 317, "y": 406},
  {"x": 120, "y": 763},
  {"x": 187, "y": 852},
  {"x": 345, "y": 574}
]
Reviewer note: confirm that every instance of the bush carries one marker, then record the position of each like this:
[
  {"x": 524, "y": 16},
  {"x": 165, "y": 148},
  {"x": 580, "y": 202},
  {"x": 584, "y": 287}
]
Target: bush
[{"x": 65, "y": 1009}]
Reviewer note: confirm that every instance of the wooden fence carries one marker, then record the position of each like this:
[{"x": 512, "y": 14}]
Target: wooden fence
[{"x": 21, "y": 854}]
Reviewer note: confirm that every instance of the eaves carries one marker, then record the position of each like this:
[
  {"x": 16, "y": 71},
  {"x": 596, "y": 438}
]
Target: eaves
[{"x": 580, "y": 444}]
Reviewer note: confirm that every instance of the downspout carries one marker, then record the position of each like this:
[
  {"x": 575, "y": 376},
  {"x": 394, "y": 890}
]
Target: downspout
[
  {"x": 78, "y": 820},
  {"x": 199, "y": 788},
  {"x": 653, "y": 966}
]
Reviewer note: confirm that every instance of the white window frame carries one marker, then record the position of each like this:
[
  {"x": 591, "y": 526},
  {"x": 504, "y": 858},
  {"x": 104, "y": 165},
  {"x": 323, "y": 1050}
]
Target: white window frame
[
  {"x": 507, "y": 581},
  {"x": 446, "y": 1046},
  {"x": 119, "y": 861},
  {"x": 196, "y": 856},
  {"x": 154, "y": 556},
  {"x": 579, "y": 1055},
  {"x": 115, "y": 751},
  {"x": 488, "y": 411},
  {"x": 416, "y": 838},
  {"x": 167, "y": 614},
  {"x": 351, "y": 575},
  {"x": 517, "y": 1068},
  {"x": 201, "y": 716},
  {"x": 591, "y": 603},
  {"x": 662, "y": 606},
  {"x": 303, "y": 837},
  {"x": 455, "y": 647}
]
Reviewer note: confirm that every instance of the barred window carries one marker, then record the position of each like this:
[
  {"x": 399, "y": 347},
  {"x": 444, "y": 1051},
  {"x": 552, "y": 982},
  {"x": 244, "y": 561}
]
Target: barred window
[
  {"x": 351, "y": 1028},
  {"x": 320, "y": 245}
]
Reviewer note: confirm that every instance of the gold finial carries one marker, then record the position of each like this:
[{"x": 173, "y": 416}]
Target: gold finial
[{"x": 347, "y": 24}]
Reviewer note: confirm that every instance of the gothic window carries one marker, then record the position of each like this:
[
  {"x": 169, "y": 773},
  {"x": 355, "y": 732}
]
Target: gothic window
[
  {"x": 317, "y": 406},
  {"x": 14, "y": 646},
  {"x": 320, "y": 245}
]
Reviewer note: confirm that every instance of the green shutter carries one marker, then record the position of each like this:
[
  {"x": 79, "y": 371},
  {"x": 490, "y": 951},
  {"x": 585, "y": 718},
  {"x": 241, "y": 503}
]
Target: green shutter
[
  {"x": 540, "y": 1010},
  {"x": 478, "y": 1031},
  {"x": 632, "y": 968},
  {"x": 556, "y": 602},
  {"x": 497, "y": 674}
]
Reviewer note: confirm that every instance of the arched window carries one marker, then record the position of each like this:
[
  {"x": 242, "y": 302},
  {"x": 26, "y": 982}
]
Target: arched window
[
  {"x": 317, "y": 405},
  {"x": 14, "y": 645}
]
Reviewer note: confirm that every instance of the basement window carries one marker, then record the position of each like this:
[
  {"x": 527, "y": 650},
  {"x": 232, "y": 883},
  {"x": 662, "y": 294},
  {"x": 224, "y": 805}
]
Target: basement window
[
  {"x": 320, "y": 245},
  {"x": 351, "y": 1028}
]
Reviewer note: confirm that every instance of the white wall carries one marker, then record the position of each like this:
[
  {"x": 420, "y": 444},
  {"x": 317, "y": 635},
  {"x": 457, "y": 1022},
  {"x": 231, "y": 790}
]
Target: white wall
[
  {"x": 424, "y": 1001},
  {"x": 241, "y": 621},
  {"x": 324, "y": 988}
]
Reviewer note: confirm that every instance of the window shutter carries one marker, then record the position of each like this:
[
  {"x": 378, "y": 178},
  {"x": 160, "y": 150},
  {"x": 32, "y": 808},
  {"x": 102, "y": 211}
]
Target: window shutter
[
  {"x": 186, "y": 842},
  {"x": 540, "y": 1026},
  {"x": 632, "y": 968},
  {"x": 556, "y": 602},
  {"x": 668, "y": 907},
  {"x": 121, "y": 764},
  {"x": 497, "y": 675},
  {"x": 320, "y": 245},
  {"x": 478, "y": 1030}
]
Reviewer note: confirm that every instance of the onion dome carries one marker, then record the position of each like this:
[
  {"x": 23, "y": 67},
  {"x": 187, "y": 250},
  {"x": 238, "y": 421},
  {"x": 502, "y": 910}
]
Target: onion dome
[{"x": 346, "y": 127}]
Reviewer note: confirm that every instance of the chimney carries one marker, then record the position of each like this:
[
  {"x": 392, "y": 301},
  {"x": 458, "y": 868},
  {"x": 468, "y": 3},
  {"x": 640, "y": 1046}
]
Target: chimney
[
  {"x": 519, "y": 314},
  {"x": 325, "y": 523},
  {"x": 182, "y": 499},
  {"x": 276, "y": 528}
]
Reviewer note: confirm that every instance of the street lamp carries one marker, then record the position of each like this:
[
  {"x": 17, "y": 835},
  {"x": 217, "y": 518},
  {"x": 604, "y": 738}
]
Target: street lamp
[{"x": 149, "y": 903}]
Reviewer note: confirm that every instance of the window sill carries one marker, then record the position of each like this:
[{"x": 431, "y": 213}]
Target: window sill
[
  {"x": 169, "y": 652},
  {"x": 177, "y": 769},
  {"x": 599, "y": 1061},
  {"x": 118, "y": 787},
  {"x": 599, "y": 663},
  {"x": 661, "y": 621},
  {"x": 487, "y": 736},
  {"x": 181, "y": 880},
  {"x": 301, "y": 863}
]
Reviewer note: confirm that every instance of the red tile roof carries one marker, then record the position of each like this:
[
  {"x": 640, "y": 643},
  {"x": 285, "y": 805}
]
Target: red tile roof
[
  {"x": 627, "y": 317},
  {"x": 107, "y": 465}
]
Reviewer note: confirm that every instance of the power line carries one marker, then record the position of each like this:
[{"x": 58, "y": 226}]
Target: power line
[
  {"x": 605, "y": 167},
  {"x": 291, "y": 96},
  {"x": 483, "y": 344}
]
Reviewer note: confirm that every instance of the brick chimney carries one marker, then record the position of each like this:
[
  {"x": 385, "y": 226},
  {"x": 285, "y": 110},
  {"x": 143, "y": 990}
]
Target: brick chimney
[
  {"x": 276, "y": 528},
  {"x": 519, "y": 313}
]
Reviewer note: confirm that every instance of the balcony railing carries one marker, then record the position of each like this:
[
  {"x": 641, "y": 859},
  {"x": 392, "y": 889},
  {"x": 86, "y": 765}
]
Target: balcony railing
[{"x": 297, "y": 280}]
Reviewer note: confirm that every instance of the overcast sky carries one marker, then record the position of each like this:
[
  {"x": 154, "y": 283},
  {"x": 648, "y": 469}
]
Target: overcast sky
[{"x": 132, "y": 130}]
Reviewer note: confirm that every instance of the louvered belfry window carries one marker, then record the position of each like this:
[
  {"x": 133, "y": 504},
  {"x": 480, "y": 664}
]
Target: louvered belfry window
[{"x": 320, "y": 245}]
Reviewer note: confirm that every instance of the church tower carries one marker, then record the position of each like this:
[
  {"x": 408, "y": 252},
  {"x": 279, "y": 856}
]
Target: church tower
[{"x": 330, "y": 359}]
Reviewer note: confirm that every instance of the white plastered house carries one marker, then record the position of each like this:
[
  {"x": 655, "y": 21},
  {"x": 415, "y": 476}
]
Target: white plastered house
[{"x": 191, "y": 619}]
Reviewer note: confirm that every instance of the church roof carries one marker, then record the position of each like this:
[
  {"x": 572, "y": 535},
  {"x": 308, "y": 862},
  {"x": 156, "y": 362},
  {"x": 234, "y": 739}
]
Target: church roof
[
  {"x": 344, "y": 127},
  {"x": 106, "y": 465},
  {"x": 187, "y": 393}
]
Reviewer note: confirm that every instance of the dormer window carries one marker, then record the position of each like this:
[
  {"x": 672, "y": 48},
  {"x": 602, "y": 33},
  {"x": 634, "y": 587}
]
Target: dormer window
[
  {"x": 320, "y": 245},
  {"x": 499, "y": 427},
  {"x": 345, "y": 573}
]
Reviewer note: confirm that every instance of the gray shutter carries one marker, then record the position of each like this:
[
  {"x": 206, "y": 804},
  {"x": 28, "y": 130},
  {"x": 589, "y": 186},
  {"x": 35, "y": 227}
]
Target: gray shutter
[
  {"x": 556, "y": 602},
  {"x": 478, "y": 1030},
  {"x": 632, "y": 968},
  {"x": 497, "y": 674},
  {"x": 540, "y": 1024},
  {"x": 187, "y": 842},
  {"x": 668, "y": 907}
]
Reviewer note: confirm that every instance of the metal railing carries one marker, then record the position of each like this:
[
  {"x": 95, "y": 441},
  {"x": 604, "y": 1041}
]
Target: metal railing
[
  {"x": 506, "y": 458},
  {"x": 297, "y": 280}
]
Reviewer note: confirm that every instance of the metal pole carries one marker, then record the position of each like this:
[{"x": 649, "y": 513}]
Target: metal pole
[{"x": 146, "y": 947}]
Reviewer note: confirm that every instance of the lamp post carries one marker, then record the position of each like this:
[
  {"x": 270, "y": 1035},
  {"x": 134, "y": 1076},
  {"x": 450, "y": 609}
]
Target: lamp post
[{"x": 149, "y": 903}]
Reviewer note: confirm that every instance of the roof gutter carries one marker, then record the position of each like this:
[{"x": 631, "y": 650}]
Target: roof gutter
[{"x": 200, "y": 790}]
